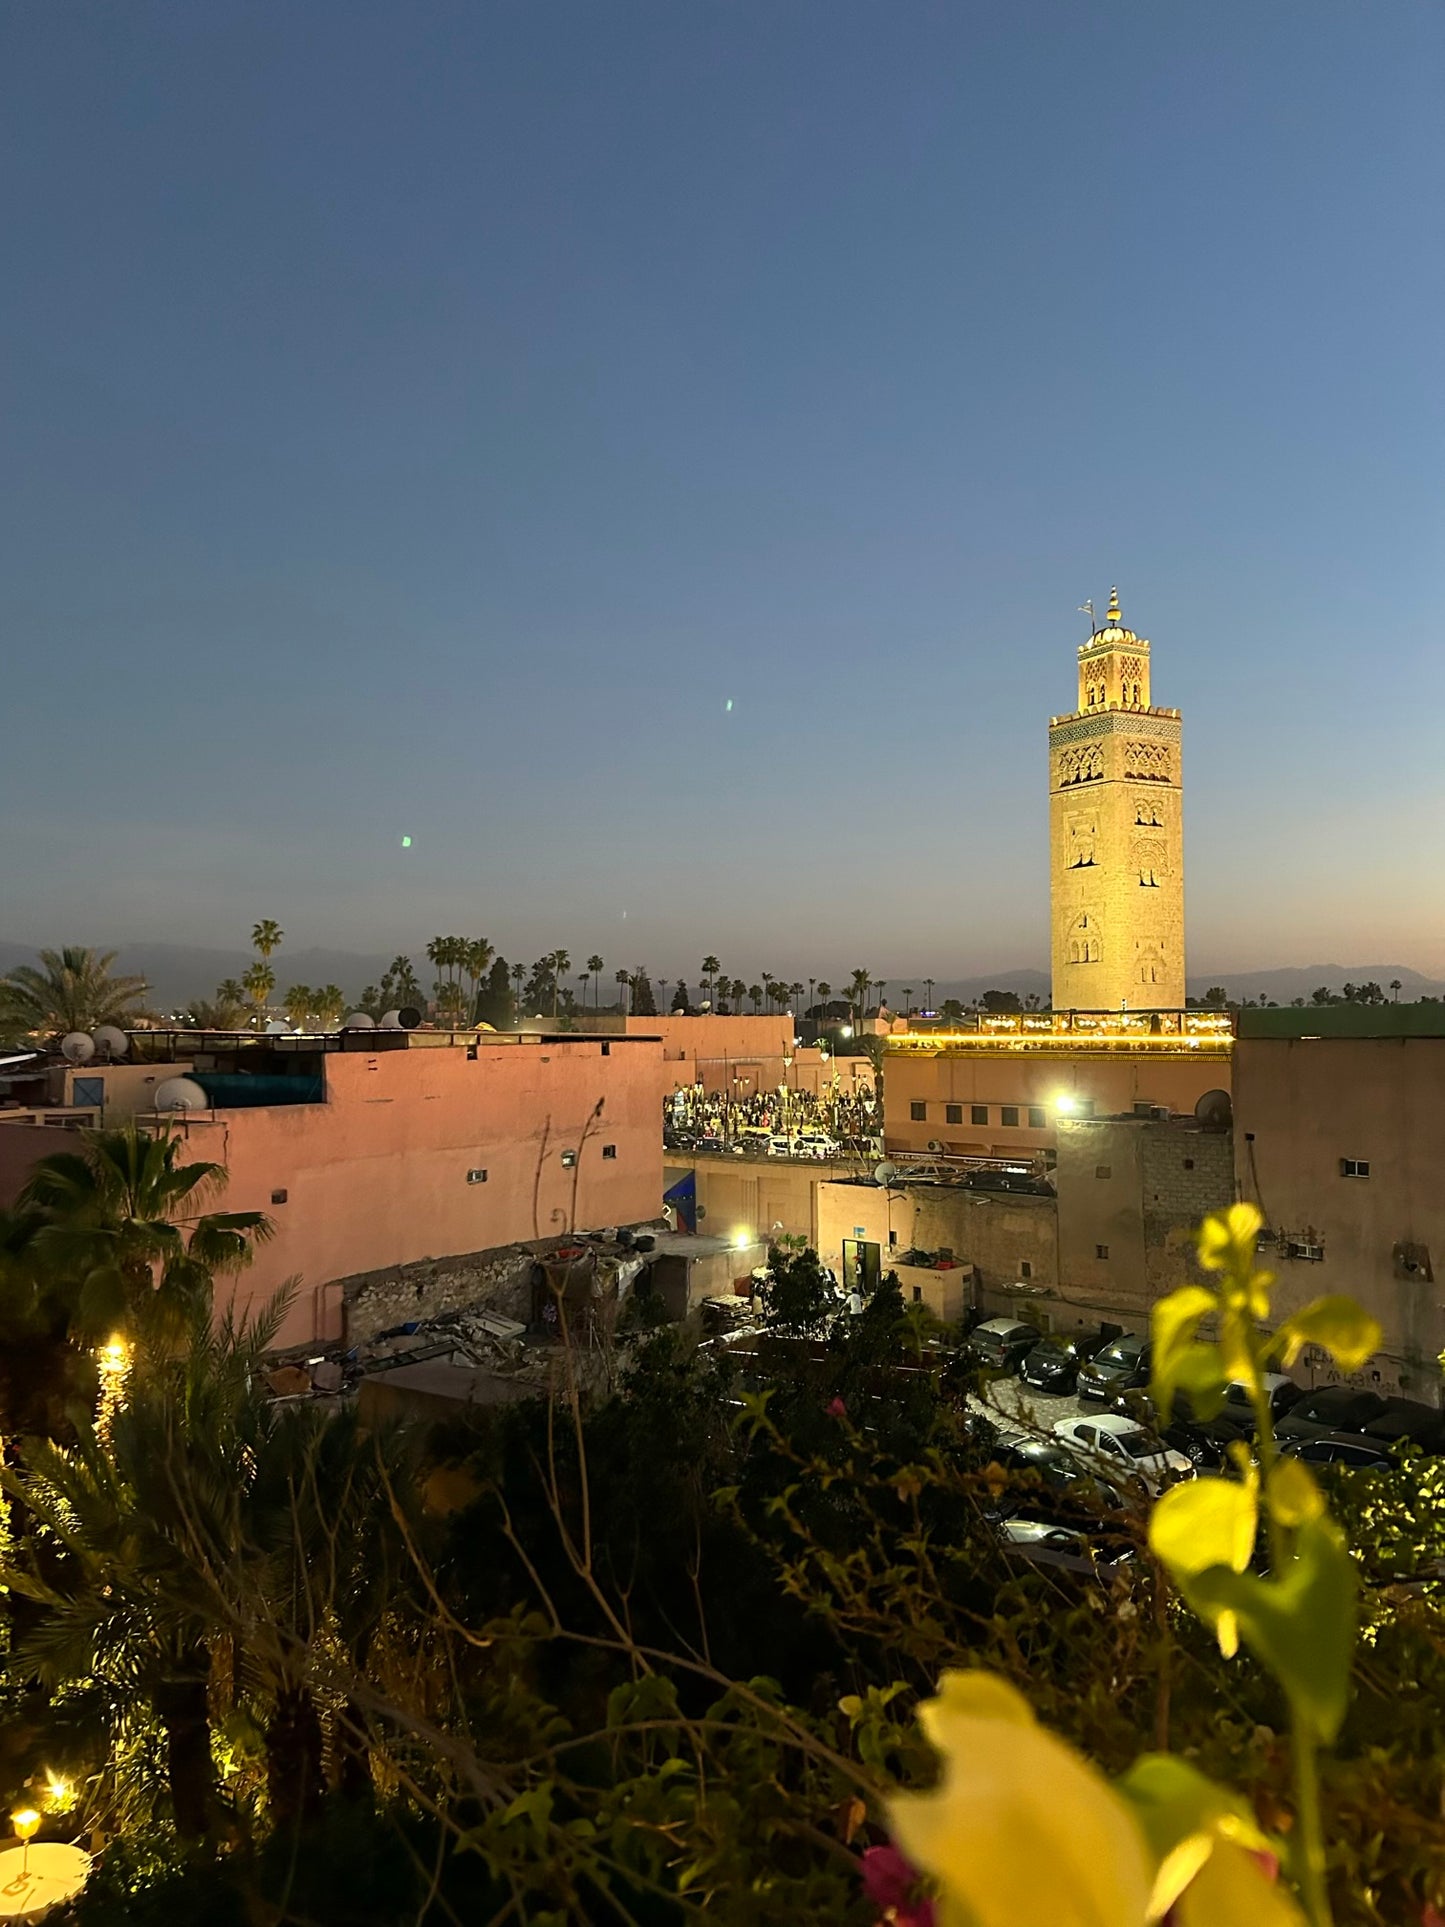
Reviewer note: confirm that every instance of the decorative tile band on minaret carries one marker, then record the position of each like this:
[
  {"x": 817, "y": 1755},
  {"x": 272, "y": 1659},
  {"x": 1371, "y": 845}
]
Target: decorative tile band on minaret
[{"x": 1116, "y": 834}]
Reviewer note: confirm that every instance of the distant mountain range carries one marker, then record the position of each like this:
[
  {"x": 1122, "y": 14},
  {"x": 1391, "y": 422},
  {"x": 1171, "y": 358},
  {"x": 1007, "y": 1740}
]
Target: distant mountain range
[{"x": 178, "y": 972}]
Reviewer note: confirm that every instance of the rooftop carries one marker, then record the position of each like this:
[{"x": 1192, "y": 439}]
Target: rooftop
[{"x": 1322, "y": 1021}]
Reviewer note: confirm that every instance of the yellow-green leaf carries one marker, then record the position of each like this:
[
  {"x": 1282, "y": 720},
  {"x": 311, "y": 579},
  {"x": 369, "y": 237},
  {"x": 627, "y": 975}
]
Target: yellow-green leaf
[
  {"x": 1208, "y": 1522},
  {"x": 1180, "y": 1364},
  {"x": 1344, "y": 1329},
  {"x": 1294, "y": 1498}
]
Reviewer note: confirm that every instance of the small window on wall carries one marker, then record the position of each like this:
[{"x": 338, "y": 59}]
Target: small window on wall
[
  {"x": 1037, "y": 1119},
  {"x": 1101, "y": 1251},
  {"x": 1103, "y": 1170},
  {"x": 1009, "y": 1114},
  {"x": 1026, "y": 1270},
  {"x": 953, "y": 1114},
  {"x": 476, "y": 1177},
  {"x": 918, "y": 1294},
  {"x": 1354, "y": 1167},
  {"x": 569, "y": 1159},
  {"x": 980, "y": 1114},
  {"x": 918, "y": 1113},
  {"x": 609, "y": 1150},
  {"x": 278, "y": 1197}
]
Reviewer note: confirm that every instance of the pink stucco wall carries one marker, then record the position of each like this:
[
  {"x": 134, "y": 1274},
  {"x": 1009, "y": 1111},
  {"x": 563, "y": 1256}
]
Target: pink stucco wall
[{"x": 377, "y": 1175}]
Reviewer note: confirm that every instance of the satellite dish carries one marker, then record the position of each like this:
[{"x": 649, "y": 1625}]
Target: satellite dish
[
  {"x": 1215, "y": 1111},
  {"x": 277, "y": 1029},
  {"x": 77, "y": 1048},
  {"x": 358, "y": 1020},
  {"x": 181, "y": 1094},
  {"x": 885, "y": 1174},
  {"x": 391, "y": 1020},
  {"x": 112, "y": 1040},
  {"x": 408, "y": 1016}
]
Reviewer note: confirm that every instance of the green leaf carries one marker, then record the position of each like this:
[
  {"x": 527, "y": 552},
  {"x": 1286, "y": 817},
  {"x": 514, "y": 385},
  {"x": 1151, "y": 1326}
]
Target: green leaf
[
  {"x": 1301, "y": 1625},
  {"x": 1182, "y": 1813},
  {"x": 1178, "y": 1360},
  {"x": 1344, "y": 1329},
  {"x": 102, "y": 1304},
  {"x": 1208, "y": 1522}
]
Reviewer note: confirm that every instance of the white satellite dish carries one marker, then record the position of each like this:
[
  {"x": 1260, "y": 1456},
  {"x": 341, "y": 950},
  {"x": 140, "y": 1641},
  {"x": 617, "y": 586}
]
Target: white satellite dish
[
  {"x": 277, "y": 1029},
  {"x": 181, "y": 1094},
  {"x": 112, "y": 1040},
  {"x": 391, "y": 1020},
  {"x": 76, "y": 1047},
  {"x": 885, "y": 1174},
  {"x": 358, "y": 1020}
]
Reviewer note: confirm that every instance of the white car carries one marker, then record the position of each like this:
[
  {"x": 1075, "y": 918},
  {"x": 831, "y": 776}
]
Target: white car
[
  {"x": 1124, "y": 1449},
  {"x": 815, "y": 1144}
]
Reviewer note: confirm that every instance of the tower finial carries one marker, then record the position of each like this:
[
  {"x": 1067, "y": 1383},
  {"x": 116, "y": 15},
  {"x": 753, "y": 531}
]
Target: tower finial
[{"x": 1114, "y": 615}]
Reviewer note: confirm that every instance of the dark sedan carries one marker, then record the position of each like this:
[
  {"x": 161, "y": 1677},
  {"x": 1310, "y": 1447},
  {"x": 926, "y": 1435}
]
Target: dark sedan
[
  {"x": 1345, "y": 1449},
  {"x": 1330, "y": 1408},
  {"x": 1001, "y": 1344},
  {"x": 1122, "y": 1366},
  {"x": 1407, "y": 1419},
  {"x": 1053, "y": 1364}
]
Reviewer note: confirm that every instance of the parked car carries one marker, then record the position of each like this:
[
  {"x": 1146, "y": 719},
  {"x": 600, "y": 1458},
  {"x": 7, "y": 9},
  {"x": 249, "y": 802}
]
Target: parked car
[
  {"x": 779, "y": 1147},
  {"x": 1349, "y": 1449},
  {"x": 1123, "y": 1365},
  {"x": 1048, "y": 1544},
  {"x": 1063, "y": 1483},
  {"x": 1238, "y": 1407},
  {"x": 816, "y": 1144},
  {"x": 1330, "y": 1408},
  {"x": 1125, "y": 1449},
  {"x": 708, "y": 1142},
  {"x": 1408, "y": 1419},
  {"x": 1053, "y": 1364},
  {"x": 1001, "y": 1344}
]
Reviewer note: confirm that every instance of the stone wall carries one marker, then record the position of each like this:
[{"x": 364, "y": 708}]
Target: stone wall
[{"x": 499, "y": 1279}]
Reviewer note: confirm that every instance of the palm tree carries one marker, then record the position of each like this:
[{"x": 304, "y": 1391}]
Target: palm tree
[
  {"x": 73, "y": 990},
  {"x": 928, "y": 987},
  {"x": 755, "y": 992},
  {"x": 519, "y": 977},
  {"x": 795, "y": 991},
  {"x": 126, "y": 1222},
  {"x": 266, "y": 936},
  {"x": 624, "y": 982},
  {"x": 216, "y": 1013},
  {"x": 258, "y": 983},
  {"x": 298, "y": 1004},
  {"x": 858, "y": 993},
  {"x": 329, "y": 1003},
  {"x": 710, "y": 969},
  {"x": 737, "y": 991},
  {"x": 401, "y": 981},
  {"x": 825, "y": 991},
  {"x": 478, "y": 960},
  {"x": 596, "y": 966},
  {"x": 908, "y": 1003},
  {"x": 561, "y": 963},
  {"x": 1397, "y": 987},
  {"x": 770, "y": 988}
]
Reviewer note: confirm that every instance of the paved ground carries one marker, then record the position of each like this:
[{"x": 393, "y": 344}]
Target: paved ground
[{"x": 1010, "y": 1399}]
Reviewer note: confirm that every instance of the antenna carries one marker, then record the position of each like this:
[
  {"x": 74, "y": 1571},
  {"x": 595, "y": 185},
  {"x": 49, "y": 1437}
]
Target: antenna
[
  {"x": 76, "y": 1047},
  {"x": 1087, "y": 609}
]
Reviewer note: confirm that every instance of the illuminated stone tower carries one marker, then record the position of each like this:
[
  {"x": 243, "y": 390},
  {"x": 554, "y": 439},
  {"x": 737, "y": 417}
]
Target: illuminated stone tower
[{"x": 1116, "y": 835}]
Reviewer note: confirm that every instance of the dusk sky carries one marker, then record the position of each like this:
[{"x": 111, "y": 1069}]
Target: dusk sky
[{"x": 652, "y": 455}]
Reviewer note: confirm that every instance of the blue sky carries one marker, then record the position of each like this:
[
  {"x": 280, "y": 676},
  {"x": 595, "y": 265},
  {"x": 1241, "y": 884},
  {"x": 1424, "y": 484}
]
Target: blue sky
[{"x": 425, "y": 420}]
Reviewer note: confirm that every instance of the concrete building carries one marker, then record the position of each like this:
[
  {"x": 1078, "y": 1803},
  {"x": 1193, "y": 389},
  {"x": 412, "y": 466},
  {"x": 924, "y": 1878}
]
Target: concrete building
[
  {"x": 1340, "y": 1140},
  {"x": 1116, "y": 834},
  {"x": 1114, "y": 1234},
  {"x": 997, "y": 1086},
  {"x": 739, "y": 1056},
  {"x": 415, "y": 1162}
]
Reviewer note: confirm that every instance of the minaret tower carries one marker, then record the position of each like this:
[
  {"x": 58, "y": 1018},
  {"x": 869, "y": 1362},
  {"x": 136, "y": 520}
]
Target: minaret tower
[{"x": 1116, "y": 834}]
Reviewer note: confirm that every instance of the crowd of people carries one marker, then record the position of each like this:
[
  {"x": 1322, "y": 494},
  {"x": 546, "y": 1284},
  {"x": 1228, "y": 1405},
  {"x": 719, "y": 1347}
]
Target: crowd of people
[{"x": 852, "y": 1118}]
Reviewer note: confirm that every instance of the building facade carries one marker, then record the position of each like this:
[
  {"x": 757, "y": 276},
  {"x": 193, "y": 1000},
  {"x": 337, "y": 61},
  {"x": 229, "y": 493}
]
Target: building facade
[
  {"x": 1340, "y": 1139},
  {"x": 1116, "y": 835}
]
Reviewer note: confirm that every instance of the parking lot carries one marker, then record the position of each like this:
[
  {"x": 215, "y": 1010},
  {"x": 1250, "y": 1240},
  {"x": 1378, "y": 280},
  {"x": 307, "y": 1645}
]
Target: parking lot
[{"x": 1009, "y": 1400}]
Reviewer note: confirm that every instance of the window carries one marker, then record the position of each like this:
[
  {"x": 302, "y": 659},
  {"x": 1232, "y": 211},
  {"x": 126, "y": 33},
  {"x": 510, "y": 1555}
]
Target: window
[
  {"x": 569, "y": 1159},
  {"x": 980, "y": 1114},
  {"x": 606, "y": 1048},
  {"x": 278, "y": 1197},
  {"x": 1354, "y": 1167},
  {"x": 88, "y": 1090},
  {"x": 1103, "y": 1170},
  {"x": 893, "y": 1237},
  {"x": 609, "y": 1150},
  {"x": 918, "y": 1112},
  {"x": 476, "y": 1177},
  {"x": 1037, "y": 1119},
  {"x": 953, "y": 1114},
  {"x": 918, "y": 1294},
  {"x": 1188, "y": 1164},
  {"x": 1101, "y": 1251},
  {"x": 1009, "y": 1114},
  {"x": 1026, "y": 1270}
]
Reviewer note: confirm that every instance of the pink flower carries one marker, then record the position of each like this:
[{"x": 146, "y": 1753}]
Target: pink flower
[
  {"x": 891, "y": 1883},
  {"x": 1432, "y": 1916},
  {"x": 837, "y": 1409}
]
